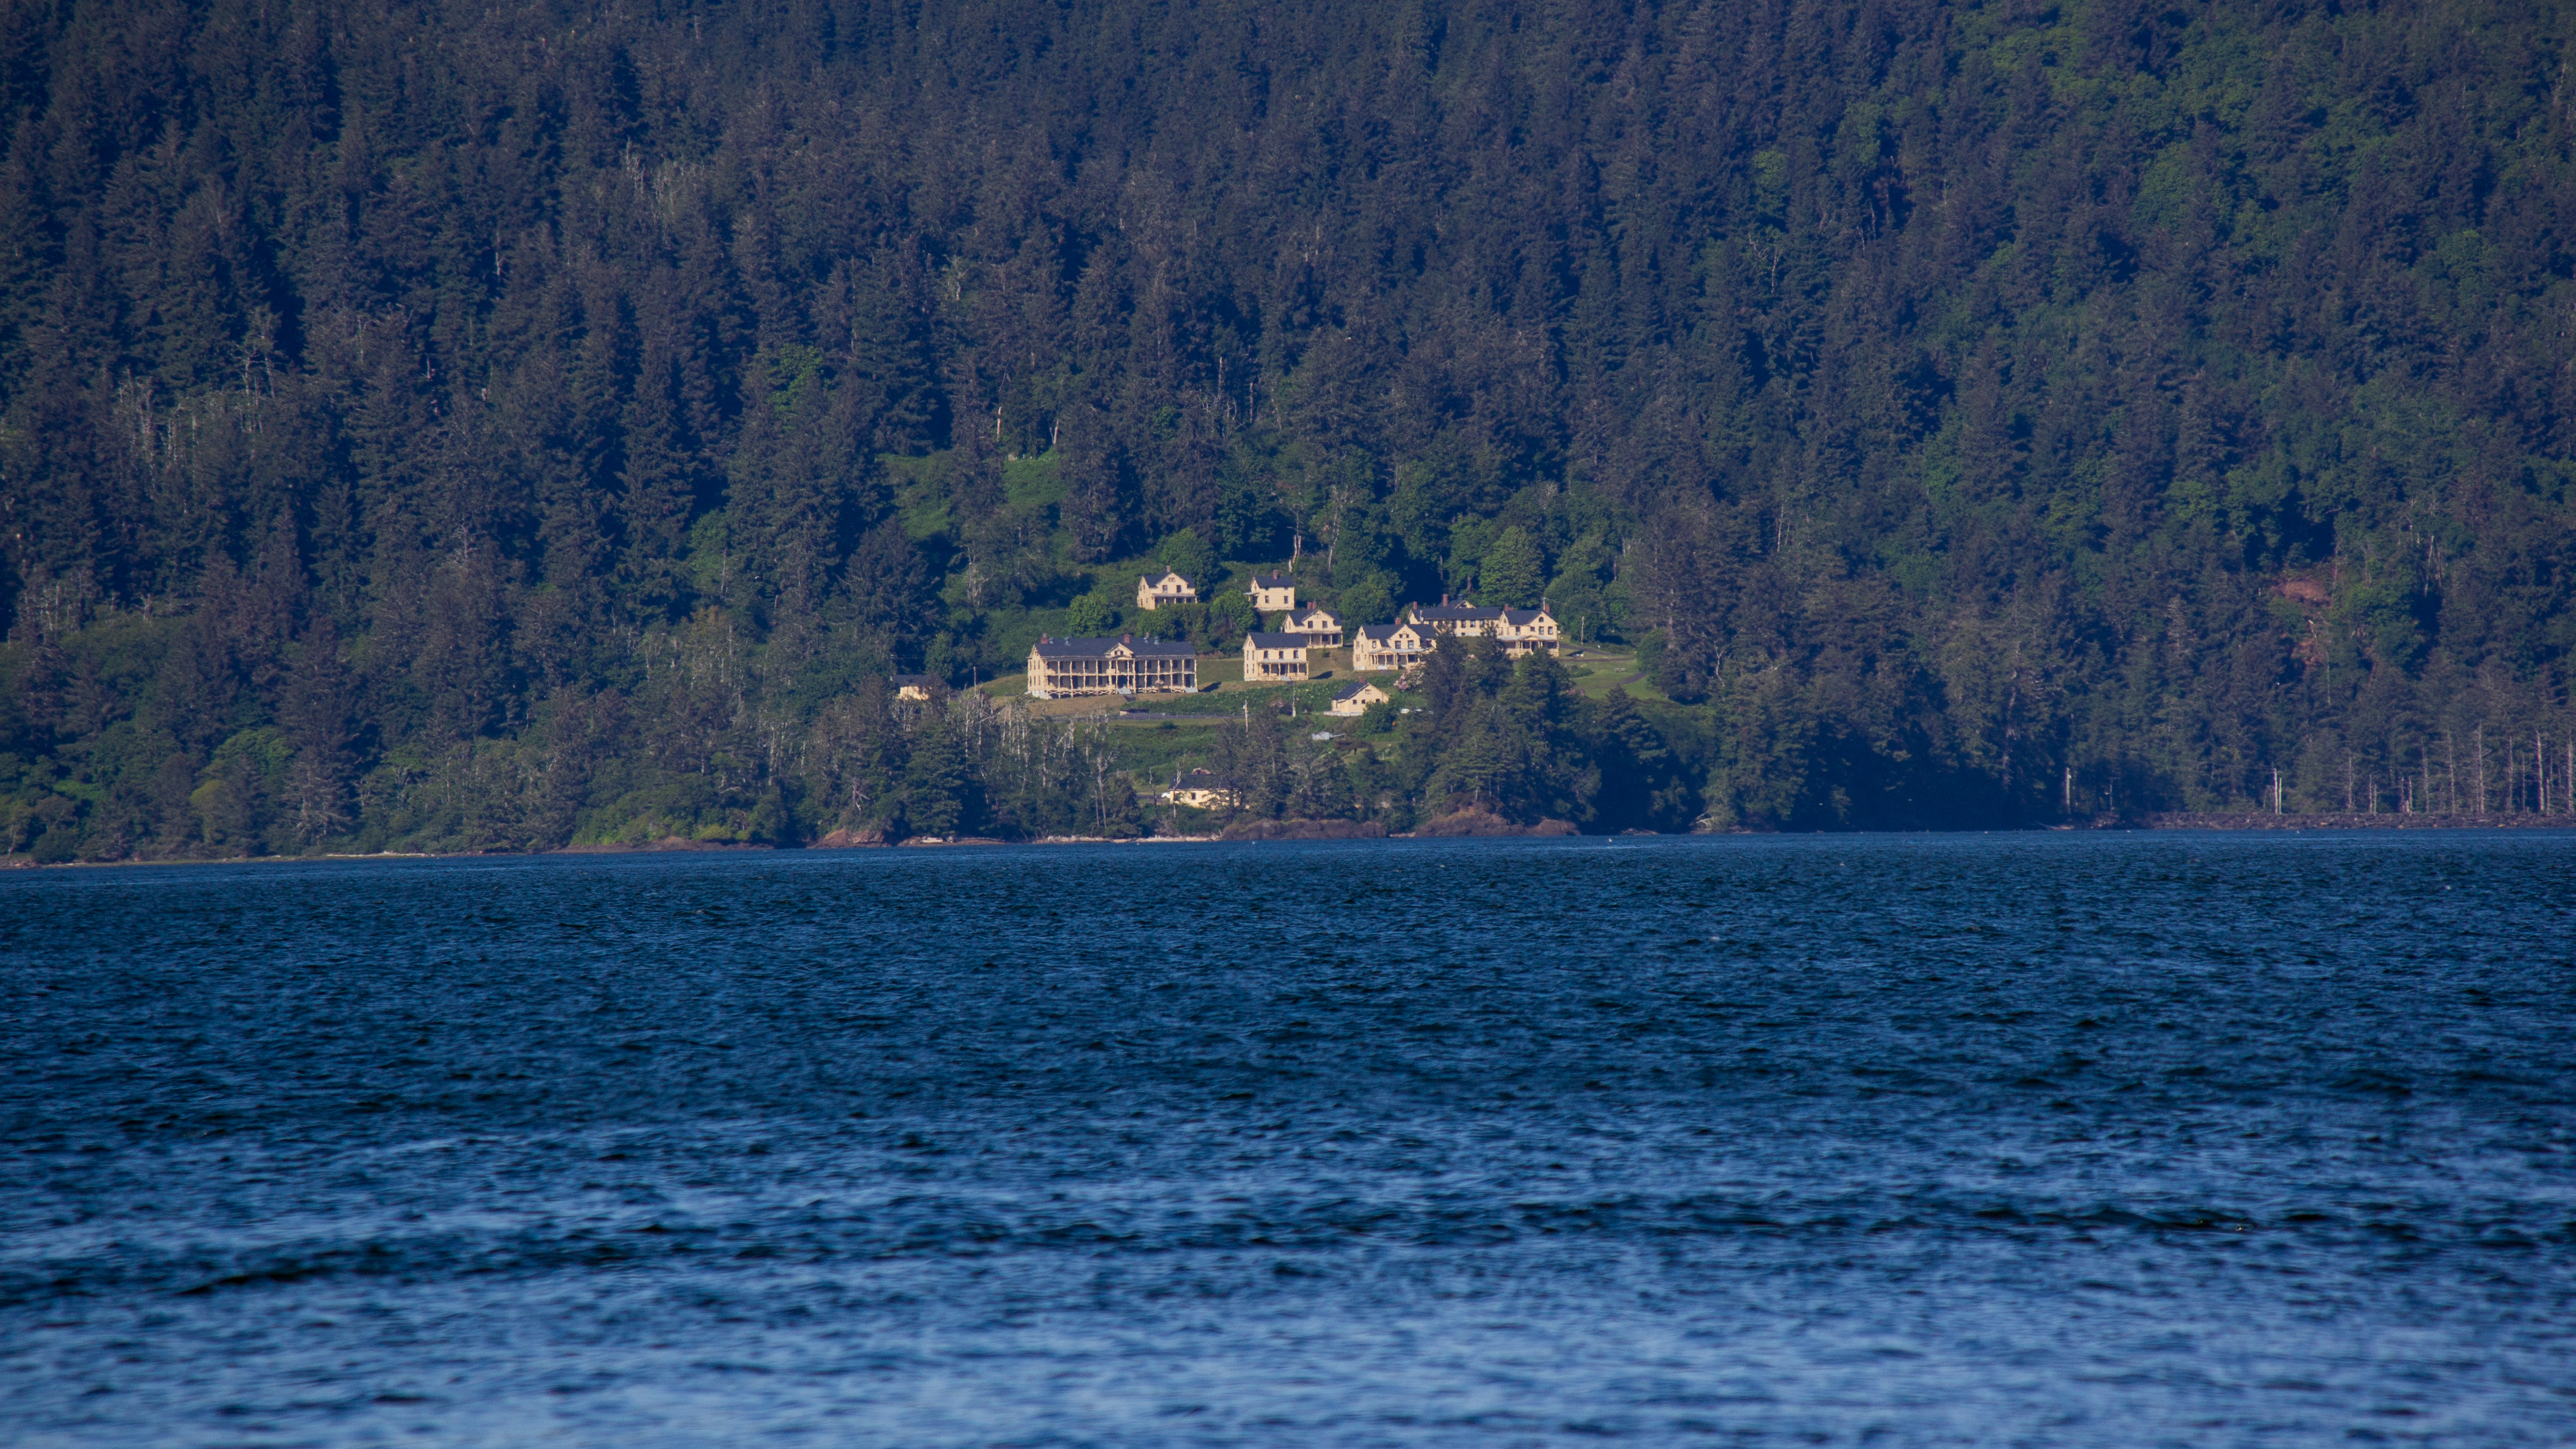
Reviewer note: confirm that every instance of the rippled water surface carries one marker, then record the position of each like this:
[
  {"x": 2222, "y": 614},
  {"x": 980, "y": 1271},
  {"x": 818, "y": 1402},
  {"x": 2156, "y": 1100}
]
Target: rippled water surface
[{"x": 2169, "y": 1139}]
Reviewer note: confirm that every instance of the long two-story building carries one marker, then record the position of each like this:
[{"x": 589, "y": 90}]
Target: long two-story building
[
  {"x": 1461, "y": 618},
  {"x": 1069, "y": 668},
  {"x": 1519, "y": 631}
]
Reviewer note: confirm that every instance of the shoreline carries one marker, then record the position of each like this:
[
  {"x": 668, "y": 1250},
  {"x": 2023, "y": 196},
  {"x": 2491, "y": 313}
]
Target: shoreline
[
  {"x": 2249, "y": 821},
  {"x": 2338, "y": 820}
]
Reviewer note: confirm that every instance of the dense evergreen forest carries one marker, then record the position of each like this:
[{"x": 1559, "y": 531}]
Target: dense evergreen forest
[{"x": 428, "y": 425}]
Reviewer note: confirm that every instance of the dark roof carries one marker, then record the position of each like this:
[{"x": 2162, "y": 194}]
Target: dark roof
[
  {"x": 1275, "y": 641},
  {"x": 1347, "y": 690},
  {"x": 1051, "y": 648},
  {"x": 1309, "y": 611},
  {"x": 1274, "y": 581},
  {"x": 1168, "y": 574},
  {"x": 924, "y": 680},
  {"x": 1523, "y": 616},
  {"x": 1455, "y": 613},
  {"x": 1378, "y": 631}
]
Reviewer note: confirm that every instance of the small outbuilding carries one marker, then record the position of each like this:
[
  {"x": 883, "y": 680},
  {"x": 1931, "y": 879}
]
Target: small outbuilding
[
  {"x": 1200, "y": 791},
  {"x": 1352, "y": 699}
]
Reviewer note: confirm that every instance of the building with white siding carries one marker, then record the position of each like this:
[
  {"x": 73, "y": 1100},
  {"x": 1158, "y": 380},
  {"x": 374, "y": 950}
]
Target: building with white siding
[
  {"x": 1274, "y": 658},
  {"x": 1070, "y": 668}
]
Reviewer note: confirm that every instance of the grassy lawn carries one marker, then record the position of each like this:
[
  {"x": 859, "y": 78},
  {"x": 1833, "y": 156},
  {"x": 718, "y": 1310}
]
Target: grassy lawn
[
  {"x": 1595, "y": 675},
  {"x": 1600, "y": 671},
  {"x": 1228, "y": 698},
  {"x": 1232, "y": 693},
  {"x": 920, "y": 488},
  {"x": 1152, "y": 751},
  {"x": 1033, "y": 482},
  {"x": 1161, "y": 733}
]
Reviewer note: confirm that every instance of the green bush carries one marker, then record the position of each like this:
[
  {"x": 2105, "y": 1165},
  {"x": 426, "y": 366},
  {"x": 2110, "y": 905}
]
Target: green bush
[{"x": 1093, "y": 615}]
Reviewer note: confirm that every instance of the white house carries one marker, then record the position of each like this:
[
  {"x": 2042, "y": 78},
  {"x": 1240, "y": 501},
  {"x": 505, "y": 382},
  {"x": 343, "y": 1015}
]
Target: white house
[
  {"x": 1153, "y": 592},
  {"x": 1070, "y": 668},
  {"x": 1322, "y": 630},
  {"x": 1526, "y": 631},
  {"x": 1519, "y": 631},
  {"x": 1377, "y": 648},
  {"x": 1274, "y": 658}
]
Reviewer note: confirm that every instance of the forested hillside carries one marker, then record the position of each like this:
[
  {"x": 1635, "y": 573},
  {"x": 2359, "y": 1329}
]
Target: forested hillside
[{"x": 434, "y": 425}]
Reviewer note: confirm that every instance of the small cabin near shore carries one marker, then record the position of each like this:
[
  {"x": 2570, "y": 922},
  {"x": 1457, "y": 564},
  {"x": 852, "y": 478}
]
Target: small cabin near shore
[{"x": 1199, "y": 790}]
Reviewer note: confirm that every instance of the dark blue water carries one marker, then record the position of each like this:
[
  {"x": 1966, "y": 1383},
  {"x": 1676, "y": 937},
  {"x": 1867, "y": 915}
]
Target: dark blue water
[{"x": 2130, "y": 1140}]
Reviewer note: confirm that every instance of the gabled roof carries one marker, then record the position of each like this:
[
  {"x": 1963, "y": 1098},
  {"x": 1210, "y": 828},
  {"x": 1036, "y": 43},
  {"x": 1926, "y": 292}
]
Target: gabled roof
[
  {"x": 1274, "y": 581},
  {"x": 1526, "y": 616},
  {"x": 1167, "y": 574},
  {"x": 924, "y": 680},
  {"x": 1275, "y": 641},
  {"x": 1456, "y": 613},
  {"x": 1349, "y": 691},
  {"x": 1149, "y": 648},
  {"x": 1311, "y": 610},
  {"x": 1385, "y": 631}
]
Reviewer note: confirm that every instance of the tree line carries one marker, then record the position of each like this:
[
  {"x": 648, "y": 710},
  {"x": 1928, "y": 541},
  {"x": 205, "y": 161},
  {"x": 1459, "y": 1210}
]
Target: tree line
[{"x": 1976, "y": 414}]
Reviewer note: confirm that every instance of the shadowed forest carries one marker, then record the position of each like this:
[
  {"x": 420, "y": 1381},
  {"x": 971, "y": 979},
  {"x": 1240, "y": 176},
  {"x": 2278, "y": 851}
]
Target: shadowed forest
[{"x": 427, "y": 426}]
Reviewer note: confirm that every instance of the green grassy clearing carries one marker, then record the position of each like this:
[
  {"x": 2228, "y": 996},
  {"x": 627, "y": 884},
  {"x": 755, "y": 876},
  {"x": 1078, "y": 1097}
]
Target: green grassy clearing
[
  {"x": 1599, "y": 672},
  {"x": 1034, "y": 482}
]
